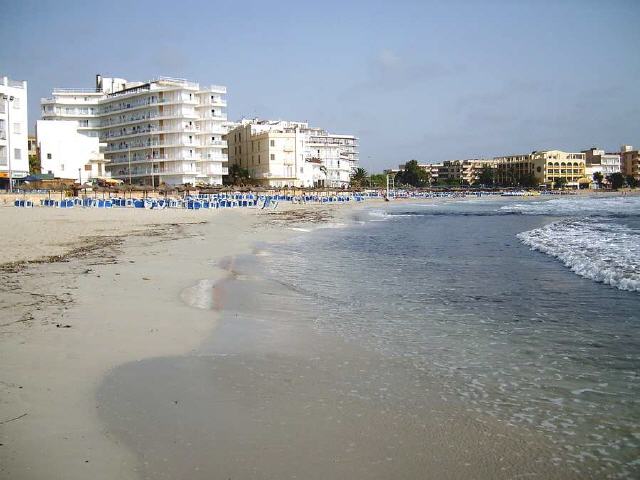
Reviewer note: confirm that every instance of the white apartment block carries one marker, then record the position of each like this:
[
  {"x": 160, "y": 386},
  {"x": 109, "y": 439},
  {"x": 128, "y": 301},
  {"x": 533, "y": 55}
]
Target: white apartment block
[
  {"x": 14, "y": 153},
  {"x": 67, "y": 153},
  {"x": 599, "y": 161},
  {"x": 285, "y": 153},
  {"x": 166, "y": 130}
]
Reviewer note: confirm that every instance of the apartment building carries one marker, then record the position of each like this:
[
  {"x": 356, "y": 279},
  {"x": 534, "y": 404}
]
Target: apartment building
[
  {"x": 551, "y": 165},
  {"x": 166, "y": 130},
  {"x": 630, "y": 161},
  {"x": 281, "y": 153},
  {"x": 14, "y": 156},
  {"x": 599, "y": 161},
  {"x": 467, "y": 172},
  {"x": 545, "y": 166}
]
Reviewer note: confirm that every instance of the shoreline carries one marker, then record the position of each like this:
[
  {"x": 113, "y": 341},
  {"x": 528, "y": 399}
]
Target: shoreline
[{"x": 108, "y": 306}]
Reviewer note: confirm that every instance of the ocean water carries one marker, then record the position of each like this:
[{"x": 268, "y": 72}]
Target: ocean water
[{"x": 525, "y": 311}]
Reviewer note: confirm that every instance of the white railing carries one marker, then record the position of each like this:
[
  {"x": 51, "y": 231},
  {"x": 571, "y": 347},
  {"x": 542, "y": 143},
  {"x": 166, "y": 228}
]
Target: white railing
[{"x": 75, "y": 90}]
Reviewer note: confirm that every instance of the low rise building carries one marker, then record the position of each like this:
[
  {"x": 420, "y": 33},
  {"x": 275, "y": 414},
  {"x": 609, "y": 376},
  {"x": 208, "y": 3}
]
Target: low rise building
[
  {"x": 545, "y": 167},
  {"x": 285, "y": 153},
  {"x": 14, "y": 156},
  {"x": 556, "y": 164},
  {"x": 630, "y": 161},
  {"x": 599, "y": 161}
]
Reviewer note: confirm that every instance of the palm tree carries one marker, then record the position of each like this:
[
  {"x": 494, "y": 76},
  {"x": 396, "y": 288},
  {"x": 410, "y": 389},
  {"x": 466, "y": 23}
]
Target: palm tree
[{"x": 359, "y": 177}]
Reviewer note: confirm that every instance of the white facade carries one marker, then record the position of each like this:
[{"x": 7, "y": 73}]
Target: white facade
[
  {"x": 14, "y": 152},
  {"x": 281, "y": 153},
  {"x": 599, "y": 161},
  {"x": 337, "y": 153},
  {"x": 67, "y": 153},
  {"x": 163, "y": 131}
]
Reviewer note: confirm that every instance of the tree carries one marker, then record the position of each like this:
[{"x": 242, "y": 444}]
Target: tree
[
  {"x": 529, "y": 180},
  {"x": 560, "y": 183},
  {"x": 632, "y": 181},
  {"x": 487, "y": 177},
  {"x": 413, "y": 175},
  {"x": 359, "y": 177},
  {"x": 616, "y": 180},
  {"x": 598, "y": 178},
  {"x": 237, "y": 176},
  {"x": 34, "y": 164},
  {"x": 378, "y": 180}
]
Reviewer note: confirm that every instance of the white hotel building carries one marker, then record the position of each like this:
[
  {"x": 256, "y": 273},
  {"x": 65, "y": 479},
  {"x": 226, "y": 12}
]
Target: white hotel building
[
  {"x": 14, "y": 153},
  {"x": 166, "y": 130}
]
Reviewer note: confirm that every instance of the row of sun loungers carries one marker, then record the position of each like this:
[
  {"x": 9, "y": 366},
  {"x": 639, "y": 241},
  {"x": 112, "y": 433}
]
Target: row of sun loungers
[{"x": 197, "y": 202}]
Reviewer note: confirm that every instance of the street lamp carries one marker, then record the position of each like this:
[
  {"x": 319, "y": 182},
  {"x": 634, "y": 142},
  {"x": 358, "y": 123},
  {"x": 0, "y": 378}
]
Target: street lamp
[{"x": 7, "y": 99}]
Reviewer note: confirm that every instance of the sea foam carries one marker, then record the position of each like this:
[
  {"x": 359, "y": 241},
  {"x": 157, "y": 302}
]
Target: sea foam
[
  {"x": 604, "y": 252},
  {"x": 578, "y": 206}
]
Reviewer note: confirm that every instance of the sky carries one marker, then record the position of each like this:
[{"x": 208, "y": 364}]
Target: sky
[{"x": 424, "y": 80}]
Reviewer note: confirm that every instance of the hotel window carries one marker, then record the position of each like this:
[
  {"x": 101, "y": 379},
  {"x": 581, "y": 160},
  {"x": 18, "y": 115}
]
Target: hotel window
[
  {"x": 17, "y": 153},
  {"x": 16, "y": 103},
  {"x": 16, "y": 128},
  {"x": 48, "y": 156},
  {"x": 272, "y": 143},
  {"x": 273, "y": 157}
]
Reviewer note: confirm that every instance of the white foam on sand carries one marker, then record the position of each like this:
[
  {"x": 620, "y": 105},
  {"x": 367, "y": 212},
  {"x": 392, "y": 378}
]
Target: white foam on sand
[
  {"x": 604, "y": 252},
  {"x": 199, "y": 295}
]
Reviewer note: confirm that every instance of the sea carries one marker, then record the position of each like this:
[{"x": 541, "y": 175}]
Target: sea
[{"x": 527, "y": 311}]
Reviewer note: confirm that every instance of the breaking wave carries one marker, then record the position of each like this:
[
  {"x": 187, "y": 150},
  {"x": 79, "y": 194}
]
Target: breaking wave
[{"x": 604, "y": 252}]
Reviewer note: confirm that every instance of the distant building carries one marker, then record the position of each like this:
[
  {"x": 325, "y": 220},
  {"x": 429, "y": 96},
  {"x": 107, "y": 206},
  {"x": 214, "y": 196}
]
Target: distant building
[
  {"x": 164, "y": 130},
  {"x": 465, "y": 172},
  {"x": 551, "y": 165},
  {"x": 13, "y": 130},
  {"x": 545, "y": 166},
  {"x": 630, "y": 161},
  {"x": 599, "y": 161},
  {"x": 67, "y": 153},
  {"x": 285, "y": 153}
]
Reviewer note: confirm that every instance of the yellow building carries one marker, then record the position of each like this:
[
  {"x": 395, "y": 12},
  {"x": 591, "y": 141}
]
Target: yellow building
[
  {"x": 556, "y": 164},
  {"x": 545, "y": 166},
  {"x": 630, "y": 161}
]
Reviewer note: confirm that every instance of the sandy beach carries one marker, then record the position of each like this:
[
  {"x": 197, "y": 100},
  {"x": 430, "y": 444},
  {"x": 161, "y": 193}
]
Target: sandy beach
[
  {"x": 102, "y": 307},
  {"x": 103, "y": 289}
]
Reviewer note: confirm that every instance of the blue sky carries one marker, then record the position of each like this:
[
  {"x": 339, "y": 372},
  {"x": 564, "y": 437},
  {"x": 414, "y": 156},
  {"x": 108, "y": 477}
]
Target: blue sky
[{"x": 430, "y": 80}]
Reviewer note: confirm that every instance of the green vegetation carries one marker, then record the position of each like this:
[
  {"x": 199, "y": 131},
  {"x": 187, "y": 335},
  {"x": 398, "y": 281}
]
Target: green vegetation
[
  {"x": 237, "y": 176},
  {"x": 413, "y": 175},
  {"x": 598, "y": 178},
  {"x": 359, "y": 178},
  {"x": 487, "y": 177},
  {"x": 34, "y": 164},
  {"x": 616, "y": 180},
  {"x": 378, "y": 180},
  {"x": 632, "y": 182},
  {"x": 560, "y": 183}
]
